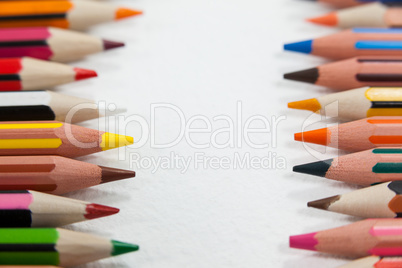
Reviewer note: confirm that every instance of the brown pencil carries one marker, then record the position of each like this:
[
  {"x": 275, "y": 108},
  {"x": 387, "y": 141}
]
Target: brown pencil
[
  {"x": 381, "y": 237},
  {"x": 379, "y": 201},
  {"x": 353, "y": 73},
  {"x": 55, "y": 138},
  {"x": 54, "y": 174}
]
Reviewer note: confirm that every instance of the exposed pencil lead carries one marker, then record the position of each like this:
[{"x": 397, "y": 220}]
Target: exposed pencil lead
[
  {"x": 81, "y": 74},
  {"x": 330, "y": 19},
  {"x": 323, "y": 203},
  {"x": 304, "y": 241},
  {"x": 122, "y": 248},
  {"x": 302, "y": 47},
  {"x": 107, "y": 44},
  {"x": 95, "y": 211},
  {"x": 307, "y": 76},
  {"x": 318, "y": 136},
  {"x": 310, "y": 105},
  {"x": 115, "y": 174},
  {"x": 319, "y": 168},
  {"x": 123, "y": 13}
]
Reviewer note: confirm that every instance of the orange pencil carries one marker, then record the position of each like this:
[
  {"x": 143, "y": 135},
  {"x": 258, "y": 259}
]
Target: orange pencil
[
  {"x": 360, "y": 135},
  {"x": 55, "y": 138},
  {"x": 370, "y": 15},
  {"x": 63, "y": 14},
  {"x": 353, "y": 73},
  {"x": 362, "y": 168},
  {"x": 380, "y": 237}
]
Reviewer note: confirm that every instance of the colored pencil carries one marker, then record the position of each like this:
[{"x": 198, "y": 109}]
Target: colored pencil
[
  {"x": 55, "y": 138},
  {"x": 353, "y": 43},
  {"x": 353, "y": 73},
  {"x": 369, "y": 15},
  {"x": 363, "y": 168},
  {"x": 48, "y": 43},
  {"x": 77, "y": 15},
  {"x": 43, "y": 105},
  {"x": 54, "y": 246},
  {"x": 34, "y": 209},
  {"x": 54, "y": 174},
  {"x": 379, "y": 201},
  {"x": 351, "y": 3},
  {"x": 375, "y": 262},
  {"x": 381, "y": 237},
  {"x": 364, "y": 134},
  {"x": 33, "y": 74},
  {"x": 356, "y": 103}
]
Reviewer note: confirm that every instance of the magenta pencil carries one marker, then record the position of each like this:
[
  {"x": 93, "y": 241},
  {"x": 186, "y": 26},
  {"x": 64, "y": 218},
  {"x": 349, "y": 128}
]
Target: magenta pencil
[{"x": 381, "y": 237}]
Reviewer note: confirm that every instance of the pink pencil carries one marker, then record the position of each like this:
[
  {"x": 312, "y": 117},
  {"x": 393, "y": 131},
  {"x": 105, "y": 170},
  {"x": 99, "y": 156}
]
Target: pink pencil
[{"x": 381, "y": 237}]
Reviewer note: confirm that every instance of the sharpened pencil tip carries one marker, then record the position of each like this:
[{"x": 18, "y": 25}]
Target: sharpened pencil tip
[
  {"x": 107, "y": 44},
  {"x": 307, "y": 76},
  {"x": 115, "y": 174},
  {"x": 310, "y": 105},
  {"x": 305, "y": 241},
  {"x": 319, "y": 168},
  {"x": 111, "y": 141},
  {"x": 122, "y": 248},
  {"x": 81, "y": 74},
  {"x": 122, "y": 13},
  {"x": 323, "y": 203},
  {"x": 330, "y": 19},
  {"x": 95, "y": 211},
  {"x": 318, "y": 136},
  {"x": 302, "y": 47}
]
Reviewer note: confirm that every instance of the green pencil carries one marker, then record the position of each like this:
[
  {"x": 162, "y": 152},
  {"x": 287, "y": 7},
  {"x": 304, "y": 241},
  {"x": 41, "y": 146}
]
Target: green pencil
[{"x": 54, "y": 246}]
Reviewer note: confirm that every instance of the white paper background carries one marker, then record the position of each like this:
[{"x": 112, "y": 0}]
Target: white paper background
[{"x": 204, "y": 57}]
